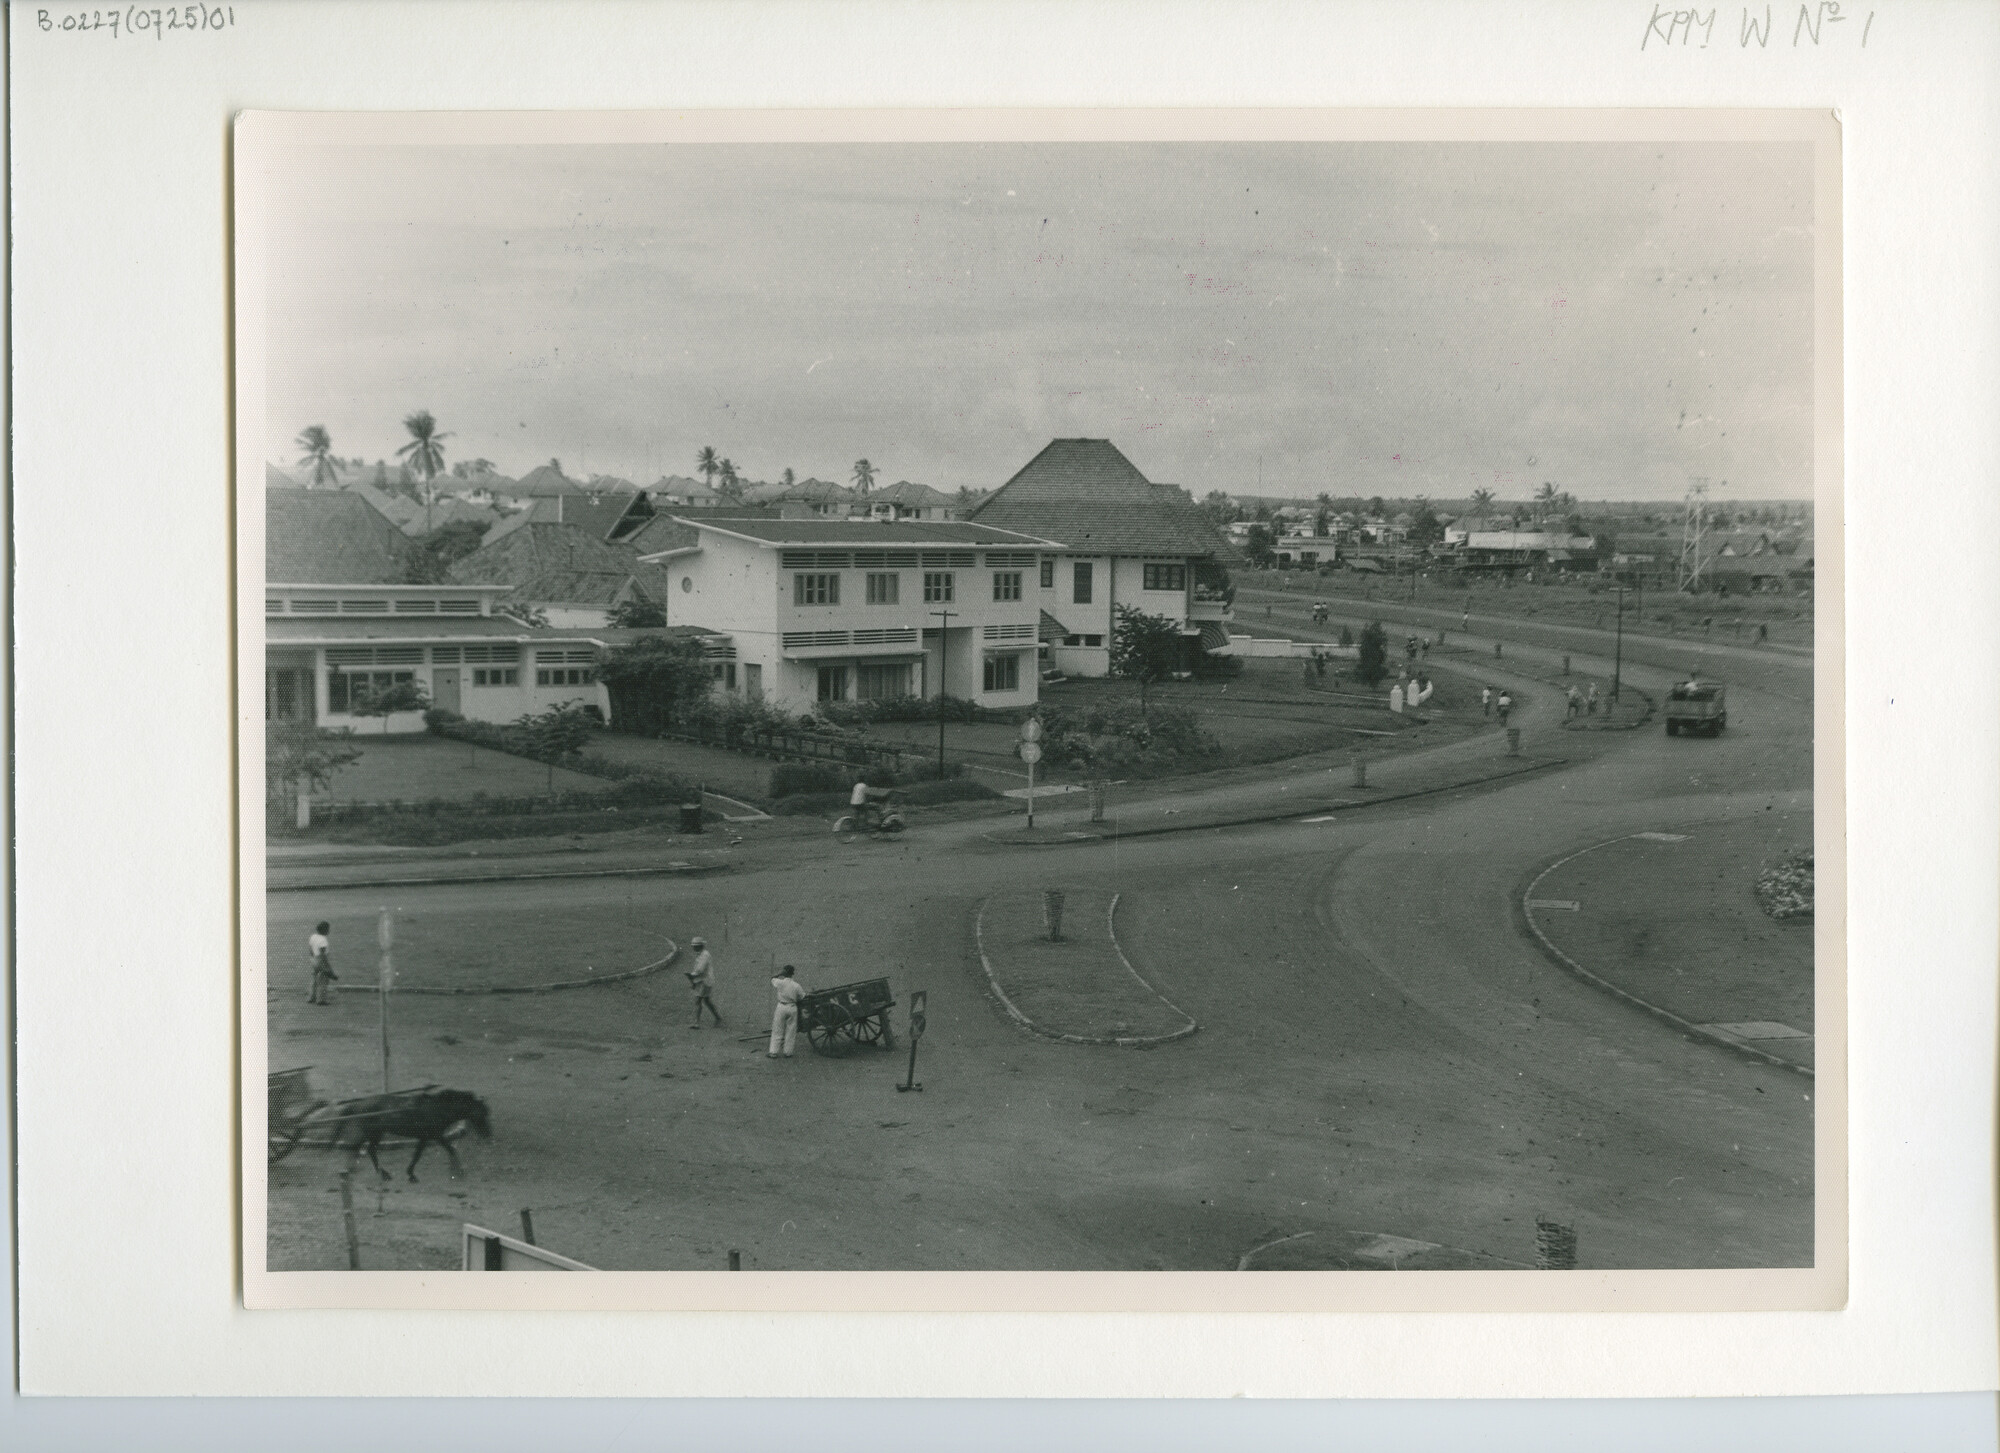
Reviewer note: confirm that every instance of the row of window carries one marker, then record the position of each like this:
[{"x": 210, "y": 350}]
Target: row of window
[
  {"x": 885, "y": 587},
  {"x": 940, "y": 587},
  {"x": 869, "y": 683},
  {"x": 881, "y": 682}
]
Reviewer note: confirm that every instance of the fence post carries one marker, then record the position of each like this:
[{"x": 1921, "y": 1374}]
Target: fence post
[
  {"x": 1360, "y": 765},
  {"x": 1513, "y": 741},
  {"x": 1052, "y": 907}
]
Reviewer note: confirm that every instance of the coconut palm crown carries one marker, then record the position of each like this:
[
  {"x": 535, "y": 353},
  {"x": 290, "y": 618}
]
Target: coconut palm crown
[{"x": 316, "y": 449}]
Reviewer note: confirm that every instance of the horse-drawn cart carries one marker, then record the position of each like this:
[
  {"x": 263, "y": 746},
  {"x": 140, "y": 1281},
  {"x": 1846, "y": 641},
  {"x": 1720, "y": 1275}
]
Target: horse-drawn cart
[
  {"x": 291, "y": 1107},
  {"x": 836, "y": 1020},
  {"x": 418, "y": 1116}
]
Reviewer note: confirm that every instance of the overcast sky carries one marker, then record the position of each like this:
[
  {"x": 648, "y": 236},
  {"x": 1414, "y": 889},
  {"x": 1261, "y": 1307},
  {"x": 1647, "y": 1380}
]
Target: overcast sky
[{"x": 1361, "y": 318}]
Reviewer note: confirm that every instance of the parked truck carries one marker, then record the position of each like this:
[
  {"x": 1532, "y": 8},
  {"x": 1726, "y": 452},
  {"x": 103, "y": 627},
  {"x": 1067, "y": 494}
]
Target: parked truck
[{"x": 1697, "y": 706}]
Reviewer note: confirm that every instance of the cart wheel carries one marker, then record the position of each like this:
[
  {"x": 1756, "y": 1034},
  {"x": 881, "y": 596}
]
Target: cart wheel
[
  {"x": 821, "y": 1035},
  {"x": 871, "y": 1030}
]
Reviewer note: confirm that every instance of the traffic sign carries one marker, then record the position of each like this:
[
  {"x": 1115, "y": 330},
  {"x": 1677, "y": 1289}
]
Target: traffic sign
[
  {"x": 1031, "y": 752},
  {"x": 1031, "y": 729}
]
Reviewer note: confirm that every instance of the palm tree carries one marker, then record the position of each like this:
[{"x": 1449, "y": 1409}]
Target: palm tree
[
  {"x": 425, "y": 456},
  {"x": 864, "y": 475},
  {"x": 1482, "y": 501},
  {"x": 707, "y": 465},
  {"x": 316, "y": 449},
  {"x": 731, "y": 487},
  {"x": 1545, "y": 501}
]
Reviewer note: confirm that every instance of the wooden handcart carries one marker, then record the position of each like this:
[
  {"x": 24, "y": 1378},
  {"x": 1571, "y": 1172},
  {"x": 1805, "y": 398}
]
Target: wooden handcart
[{"x": 839, "y": 1019}]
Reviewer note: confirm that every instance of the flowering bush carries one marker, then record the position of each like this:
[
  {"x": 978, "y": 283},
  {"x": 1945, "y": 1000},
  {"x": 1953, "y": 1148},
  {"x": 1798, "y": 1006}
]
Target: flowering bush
[
  {"x": 1126, "y": 735},
  {"x": 1786, "y": 891}
]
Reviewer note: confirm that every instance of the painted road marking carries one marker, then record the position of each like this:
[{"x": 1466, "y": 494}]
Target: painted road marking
[
  {"x": 1553, "y": 903},
  {"x": 1758, "y": 1029},
  {"x": 1662, "y": 837},
  {"x": 1383, "y": 1247}
]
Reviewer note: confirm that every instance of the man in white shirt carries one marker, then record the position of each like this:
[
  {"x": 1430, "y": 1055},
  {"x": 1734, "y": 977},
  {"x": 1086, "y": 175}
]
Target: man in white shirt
[
  {"x": 701, "y": 979},
  {"x": 319, "y": 950},
  {"x": 862, "y": 800},
  {"x": 785, "y": 1013}
]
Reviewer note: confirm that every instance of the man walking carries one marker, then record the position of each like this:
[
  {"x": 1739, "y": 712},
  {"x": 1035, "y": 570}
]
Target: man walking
[
  {"x": 1590, "y": 701},
  {"x": 785, "y": 1013},
  {"x": 1486, "y": 701},
  {"x": 1506, "y": 704},
  {"x": 701, "y": 979},
  {"x": 319, "y": 949},
  {"x": 1575, "y": 705}
]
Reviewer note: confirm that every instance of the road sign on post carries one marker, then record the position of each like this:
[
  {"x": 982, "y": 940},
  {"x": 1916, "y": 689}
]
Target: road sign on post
[
  {"x": 919, "y": 998},
  {"x": 1031, "y": 753}
]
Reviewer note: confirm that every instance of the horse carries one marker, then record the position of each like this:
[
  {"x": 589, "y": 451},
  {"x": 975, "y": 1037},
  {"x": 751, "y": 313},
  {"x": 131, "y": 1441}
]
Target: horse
[{"x": 424, "y": 1115}]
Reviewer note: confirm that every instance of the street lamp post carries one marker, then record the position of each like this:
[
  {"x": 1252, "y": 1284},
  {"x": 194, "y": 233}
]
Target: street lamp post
[
  {"x": 944, "y": 637},
  {"x": 1618, "y": 655}
]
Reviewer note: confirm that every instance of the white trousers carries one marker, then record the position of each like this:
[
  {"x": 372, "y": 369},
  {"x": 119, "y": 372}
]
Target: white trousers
[{"x": 784, "y": 1028}]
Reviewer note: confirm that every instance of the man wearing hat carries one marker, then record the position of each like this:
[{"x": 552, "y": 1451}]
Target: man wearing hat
[{"x": 701, "y": 978}]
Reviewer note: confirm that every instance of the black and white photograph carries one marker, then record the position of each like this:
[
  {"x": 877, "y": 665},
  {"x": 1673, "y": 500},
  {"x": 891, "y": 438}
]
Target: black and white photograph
[{"x": 1060, "y": 698}]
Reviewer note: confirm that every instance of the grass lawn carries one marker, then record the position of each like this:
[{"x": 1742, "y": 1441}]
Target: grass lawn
[
  {"x": 412, "y": 768},
  {"x": 1732, "y": 619},
  {"x": 736, "y": 774}
]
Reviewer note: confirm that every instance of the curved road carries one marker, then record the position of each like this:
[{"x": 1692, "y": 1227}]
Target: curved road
[{"x": 1382, "y": 1049}]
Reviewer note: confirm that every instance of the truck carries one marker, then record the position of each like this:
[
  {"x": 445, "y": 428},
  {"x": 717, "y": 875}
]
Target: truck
[{"x": 1697, "y": 706}]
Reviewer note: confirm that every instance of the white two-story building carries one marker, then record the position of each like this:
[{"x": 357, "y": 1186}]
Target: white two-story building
[
  {"x": 846, "y": 610},
  {"x": 1121, "y": 540}
]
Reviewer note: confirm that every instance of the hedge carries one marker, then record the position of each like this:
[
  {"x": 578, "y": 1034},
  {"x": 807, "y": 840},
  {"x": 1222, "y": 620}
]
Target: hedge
[{"x": 919, "y": 794}]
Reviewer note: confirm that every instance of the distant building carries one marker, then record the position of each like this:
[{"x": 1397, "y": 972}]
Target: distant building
[{"x": 565, "y": 571}]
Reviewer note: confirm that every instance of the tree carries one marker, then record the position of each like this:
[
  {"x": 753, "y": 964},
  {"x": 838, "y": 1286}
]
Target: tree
[
  {"x": 316, "y": 449},
  {"x": 1219, "y": 508},
  {"x": 1545, "y": 501},
  {"x": 1144, "y": 648},
  {"x": 1374, "y": 663},
  {"x": 707, "y": 465},
  {"x": 638, "y": 613},
  {"x": 430, "y": 563},
  {"x": 299, "y": 756},
  {"x": 473, "y": 468},
  {"x": 385, "y": 702},
  {"x": 556, "y": 735},
  {"x": 788, "y": 479},
  {"x": 1425, "y": 527},
  {"x": 864, "y": 475},
  {"x": 1259, "y": 545},
  {"x": 1375, "y": 505},
  {"x": 425, "y": 455},
  {"x": 653, "y": 680},
  {"x": 1482, "y": 501},
  {"x": 731, "y": 487}
]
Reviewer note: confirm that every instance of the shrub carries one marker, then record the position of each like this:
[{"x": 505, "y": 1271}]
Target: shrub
[
  {"x": 1374, "y": 663},
  {"x": 789, "y": 779},
  {"x": 440, "y": 717}
]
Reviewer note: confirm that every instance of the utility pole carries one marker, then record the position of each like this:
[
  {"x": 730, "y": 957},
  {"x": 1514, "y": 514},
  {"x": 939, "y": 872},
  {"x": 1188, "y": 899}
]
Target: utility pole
[
  {"x": 1618, "y": 655},
  {"x": 385, "y": 938},
  {"x": 944, "y": 638}
]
